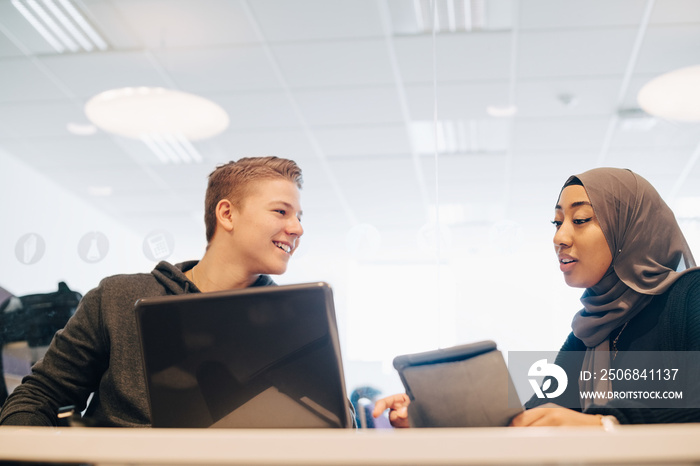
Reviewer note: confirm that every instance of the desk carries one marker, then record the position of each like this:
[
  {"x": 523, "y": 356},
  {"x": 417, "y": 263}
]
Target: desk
[{"x": 671, "y": 444}]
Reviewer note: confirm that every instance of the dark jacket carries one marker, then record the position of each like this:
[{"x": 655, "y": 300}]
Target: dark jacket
[
  {"x": 669, "y": 323},
  {"x": 99, "y": 352}
]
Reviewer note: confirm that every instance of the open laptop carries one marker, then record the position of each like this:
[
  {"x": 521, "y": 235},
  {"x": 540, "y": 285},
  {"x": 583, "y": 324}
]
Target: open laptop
[{"x": 252, "y": 358}]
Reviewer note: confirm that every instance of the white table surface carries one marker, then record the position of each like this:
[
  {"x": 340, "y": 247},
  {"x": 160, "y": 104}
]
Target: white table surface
[{"x": 667, "y": 444}]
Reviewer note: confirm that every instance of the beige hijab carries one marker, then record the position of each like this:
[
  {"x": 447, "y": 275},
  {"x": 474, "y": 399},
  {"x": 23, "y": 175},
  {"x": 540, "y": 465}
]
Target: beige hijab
[
  {"x": 648, "y": 248},
  {"x": 649, "y": 253}
]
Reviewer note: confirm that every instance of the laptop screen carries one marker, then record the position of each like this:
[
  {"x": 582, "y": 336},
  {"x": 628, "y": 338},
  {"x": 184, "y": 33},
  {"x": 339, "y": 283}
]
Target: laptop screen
[{"x": 258, "y": 357}]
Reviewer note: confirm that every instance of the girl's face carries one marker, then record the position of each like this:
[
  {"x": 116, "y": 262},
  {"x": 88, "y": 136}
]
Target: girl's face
[{"x": 582, "y": 250}]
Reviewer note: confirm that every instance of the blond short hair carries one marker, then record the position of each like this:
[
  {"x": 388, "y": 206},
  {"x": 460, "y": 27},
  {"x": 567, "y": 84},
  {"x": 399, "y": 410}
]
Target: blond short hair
[{"x": 232, "y": 180}]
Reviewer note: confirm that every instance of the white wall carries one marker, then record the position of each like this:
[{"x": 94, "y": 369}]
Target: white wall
[{"x": 32, "y": 203}]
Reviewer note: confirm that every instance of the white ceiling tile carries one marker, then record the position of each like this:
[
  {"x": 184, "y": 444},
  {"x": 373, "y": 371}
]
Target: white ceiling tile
[
  {"x": 317, "y": 174},
  {"x": 290, "y": 144},
  {"x": 257, "y": 110},
  {"x": 16, "y": 33},
  {"x": 649, "y": 162},
  {"x": 567, "y": 97},
  {"x": 156, "y": 203},
  {"x": 89, "y": 74},
  {"x": 334, "y": 64},
  {"x": 455, "y": 100},
  {"x": 675, "y": 11},
  {"x": 551, "y": 133},
  {"x": 39, "y": 119},
  {"x": 375, "y": 105},
  {"x": 322, "y": 208},
  {"x": 662, "y": 135},
  {"x": 187, "y": 23},
  {"x": 636, "y": 83},
  {"x": 375, "y": 199},
  {"x": 23, "y": 80},
  {"x": 551, "y": 168},
  {"x": 140, "y": 153},
  {"x": 463, "y": 168},
  {"x": 191, "y": 177},
  {"x": 567, "y": 14},
  {"x": 317, "y": 19},
  {"x": 473, "y": 194},
  {"x": 109, "y": 21},
  {"x": 477, "y": 182},
  {"x": 123, "y": 181},
  {"x": 76, "y": 152},
  {"x": 363, "y": 141},
  {"x": 575, "y": 53},
  {"x": 219, "y": 69},
  {"x": 491, "y": 135},
  {"x": 666, "y": 48},
  {"x": 8, "y": 47},
  {"x": 468, "y": 56},
  {"x": 462, "y": 136}
]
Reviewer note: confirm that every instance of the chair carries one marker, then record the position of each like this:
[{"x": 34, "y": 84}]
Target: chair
[{"x": 33, "y": 319}]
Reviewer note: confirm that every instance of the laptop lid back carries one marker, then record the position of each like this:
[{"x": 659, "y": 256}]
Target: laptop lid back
[{"x": 252, "y": 358}]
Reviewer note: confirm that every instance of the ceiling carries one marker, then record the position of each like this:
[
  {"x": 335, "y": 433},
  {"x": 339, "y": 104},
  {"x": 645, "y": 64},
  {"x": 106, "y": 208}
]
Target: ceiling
[{"x": 357, "y": 92}]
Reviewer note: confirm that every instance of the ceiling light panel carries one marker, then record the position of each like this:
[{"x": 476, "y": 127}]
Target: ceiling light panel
[
  {"x": 62, "y": 25},
  {"x": 449, "y": 16}
]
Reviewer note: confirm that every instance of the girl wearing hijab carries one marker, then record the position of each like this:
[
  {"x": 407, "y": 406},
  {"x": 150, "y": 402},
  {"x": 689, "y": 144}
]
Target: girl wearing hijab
[{"x": 619, "y": 240}]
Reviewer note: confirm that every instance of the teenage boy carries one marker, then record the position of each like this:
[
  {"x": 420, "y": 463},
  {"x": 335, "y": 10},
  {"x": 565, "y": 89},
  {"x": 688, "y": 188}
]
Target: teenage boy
[{"x": 253, "y": 226}]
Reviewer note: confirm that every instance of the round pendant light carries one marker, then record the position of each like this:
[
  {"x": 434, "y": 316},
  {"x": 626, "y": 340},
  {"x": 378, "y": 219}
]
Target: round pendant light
[
  {"x": 673, "y": 96},
  {"x": 133, "y": 112}
]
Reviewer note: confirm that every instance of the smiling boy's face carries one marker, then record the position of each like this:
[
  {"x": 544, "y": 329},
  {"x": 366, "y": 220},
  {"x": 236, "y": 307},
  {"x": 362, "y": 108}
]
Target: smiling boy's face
[{"x": 267, "y": 226}]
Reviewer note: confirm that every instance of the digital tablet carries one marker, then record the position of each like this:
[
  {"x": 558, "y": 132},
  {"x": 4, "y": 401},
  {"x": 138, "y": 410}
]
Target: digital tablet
[{"x": 461, "y": 386}]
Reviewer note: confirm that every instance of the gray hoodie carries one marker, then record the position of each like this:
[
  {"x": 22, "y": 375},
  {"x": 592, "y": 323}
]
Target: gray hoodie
[{"x": 98, "y": 351}]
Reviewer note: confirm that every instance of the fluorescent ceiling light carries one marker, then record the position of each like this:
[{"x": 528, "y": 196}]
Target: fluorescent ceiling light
[
  {"x": 61, "y": 25},
  {"x": 674, "y": 95},
  {"x": 84, "y": 25},
  {"x": 55, "y": 43},
  {"x": 171, "y": 148},
  {"x": 165, "y": 120},
  {"x": 452, "y": 15}
]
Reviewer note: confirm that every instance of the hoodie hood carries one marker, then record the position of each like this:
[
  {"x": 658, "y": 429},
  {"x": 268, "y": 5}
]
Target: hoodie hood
[{"x": 172, "y": 277}]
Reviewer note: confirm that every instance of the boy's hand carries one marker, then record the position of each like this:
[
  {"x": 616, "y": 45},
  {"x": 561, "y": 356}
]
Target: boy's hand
[{"x": 398, "y": 409}]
